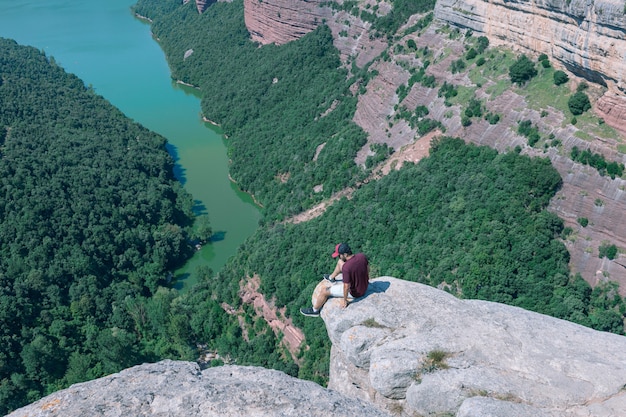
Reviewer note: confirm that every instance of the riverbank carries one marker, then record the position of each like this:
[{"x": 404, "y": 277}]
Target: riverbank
[{"x": 258, "y": 203}]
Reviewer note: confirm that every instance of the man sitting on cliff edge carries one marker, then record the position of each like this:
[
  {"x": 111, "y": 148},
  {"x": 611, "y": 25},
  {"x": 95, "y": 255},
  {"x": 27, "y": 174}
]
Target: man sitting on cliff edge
[{"x": 355, "y": 276}]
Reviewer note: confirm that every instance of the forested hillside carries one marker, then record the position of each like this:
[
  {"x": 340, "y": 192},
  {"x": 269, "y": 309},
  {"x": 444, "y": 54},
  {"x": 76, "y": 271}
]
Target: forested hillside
[
  {"x": 91, "y": 221},
  {"x": 466, "y": 218}
]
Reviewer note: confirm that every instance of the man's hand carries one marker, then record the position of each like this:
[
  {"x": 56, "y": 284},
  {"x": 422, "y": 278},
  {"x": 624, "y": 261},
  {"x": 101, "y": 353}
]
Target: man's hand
[{"x": 344, "y": 303}]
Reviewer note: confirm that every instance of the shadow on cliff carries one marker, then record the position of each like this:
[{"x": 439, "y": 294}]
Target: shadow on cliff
[
  {"x": 373, "y": 288},
  {"x": 377, "y": 286}
]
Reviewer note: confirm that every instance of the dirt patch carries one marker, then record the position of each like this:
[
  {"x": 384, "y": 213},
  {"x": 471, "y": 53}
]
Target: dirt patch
[
  {"x": 413, "y": 152},
  {"x": 275, "y": 318}
]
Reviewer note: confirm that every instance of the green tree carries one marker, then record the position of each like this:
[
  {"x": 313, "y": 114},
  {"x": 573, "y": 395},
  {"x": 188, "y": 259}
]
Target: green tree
[
  {"x": 482, "y": 44},
  {"x": 96, "y": 216},
  {"x": 457, "y": 66},
  {"x": 522, "y": 70},
  {"x": 608, "y": 251},
  {"x": 474, "y": 108},
  {"x": 578, "y": 103},
  {"x": 202, "y": 229},
  {"x": 560, "y": 77}
]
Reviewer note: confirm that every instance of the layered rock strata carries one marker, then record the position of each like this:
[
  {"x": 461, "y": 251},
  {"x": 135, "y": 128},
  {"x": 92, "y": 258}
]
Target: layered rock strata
[
  {"x": 612, "y": 109},
  {"x": 282, "y": 21},
  {"x": 586, "y": 37},
  {"x": 352, "y": 38}
]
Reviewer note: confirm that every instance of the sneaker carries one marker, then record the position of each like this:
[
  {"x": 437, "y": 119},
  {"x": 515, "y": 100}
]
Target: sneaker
[
  {"x": 309, "y": 312},
  {"x": 328, "y": 278}
]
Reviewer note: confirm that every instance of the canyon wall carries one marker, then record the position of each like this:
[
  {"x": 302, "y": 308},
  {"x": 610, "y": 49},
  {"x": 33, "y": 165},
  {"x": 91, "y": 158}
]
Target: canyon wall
[
  {"x": 282, "y": 21},
  {"x": 587, "y": 37}
]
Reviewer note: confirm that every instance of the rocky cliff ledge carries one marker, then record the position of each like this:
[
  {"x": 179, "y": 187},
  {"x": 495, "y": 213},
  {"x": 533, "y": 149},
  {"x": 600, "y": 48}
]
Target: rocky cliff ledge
[
  {"x": 405, "y": 349},
  {"x": 181, "y": 389},
  {"x": 411, "y": 347}
]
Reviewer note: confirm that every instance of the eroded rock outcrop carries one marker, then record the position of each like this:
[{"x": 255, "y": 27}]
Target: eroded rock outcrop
[
  {"x": 413, "y": 347},
  {"x": 282, "y": 21},
  {"x": 181, "y": 389},
  {"x": 612, "y": 108}
]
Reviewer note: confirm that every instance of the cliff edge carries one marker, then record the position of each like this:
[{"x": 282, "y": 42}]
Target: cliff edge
[
  {"x": 411, "y": 347},
  {"x": 404, "y": 349},
  {"x": 181, "y": 389}
]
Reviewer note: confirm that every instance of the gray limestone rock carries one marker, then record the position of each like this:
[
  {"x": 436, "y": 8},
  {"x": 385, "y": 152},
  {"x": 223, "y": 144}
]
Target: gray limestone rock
[
  {"x": 181, "y": 389},
  {"x": 494, "y": 359}
]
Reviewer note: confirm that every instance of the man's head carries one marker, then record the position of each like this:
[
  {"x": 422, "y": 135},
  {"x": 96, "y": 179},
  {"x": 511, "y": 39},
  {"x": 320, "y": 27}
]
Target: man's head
[{"x": 342, "y": 249}]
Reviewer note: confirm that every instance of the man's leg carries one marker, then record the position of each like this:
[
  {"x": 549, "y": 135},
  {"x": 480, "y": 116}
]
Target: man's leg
[
  {"x": 318, "y": 299},
  {"x": 320, "y": 295},
  {"x": 323, "y": 291}
]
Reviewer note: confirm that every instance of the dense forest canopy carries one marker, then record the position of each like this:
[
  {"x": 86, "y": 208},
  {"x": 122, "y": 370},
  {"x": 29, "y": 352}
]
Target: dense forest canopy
[{"x": 91, "y": 221}]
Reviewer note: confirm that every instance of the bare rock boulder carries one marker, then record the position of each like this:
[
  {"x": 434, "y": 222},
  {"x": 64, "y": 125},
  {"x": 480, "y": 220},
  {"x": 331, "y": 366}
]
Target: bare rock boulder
[
  {"x": 181, "y": 389},
  {"x": 413, "y": 347}
]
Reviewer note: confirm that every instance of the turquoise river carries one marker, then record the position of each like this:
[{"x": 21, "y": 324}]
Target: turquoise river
[{"x": 112, "y": 51}]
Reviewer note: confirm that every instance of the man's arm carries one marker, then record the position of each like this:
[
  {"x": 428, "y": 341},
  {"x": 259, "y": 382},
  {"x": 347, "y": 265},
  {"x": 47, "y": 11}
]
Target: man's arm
[{"x": 346, "y": 291}]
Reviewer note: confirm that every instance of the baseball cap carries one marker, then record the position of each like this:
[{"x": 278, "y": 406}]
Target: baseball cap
[{"x": 341, "y": 248}]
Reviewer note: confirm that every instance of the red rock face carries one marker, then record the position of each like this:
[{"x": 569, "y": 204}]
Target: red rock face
[
  {"x": 612, "y": 108},
  {"x": 282, "y": 21},
  {"x": 201, "y": 5}
]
